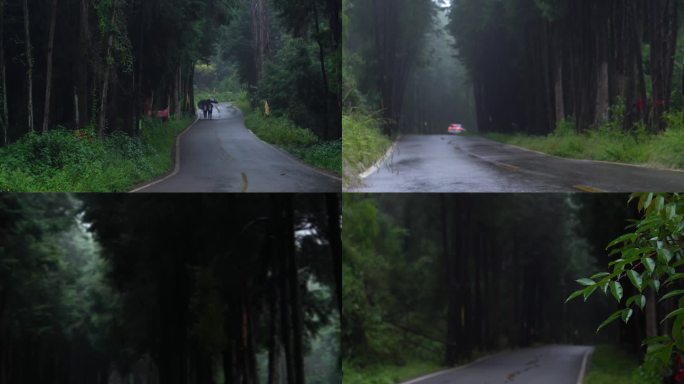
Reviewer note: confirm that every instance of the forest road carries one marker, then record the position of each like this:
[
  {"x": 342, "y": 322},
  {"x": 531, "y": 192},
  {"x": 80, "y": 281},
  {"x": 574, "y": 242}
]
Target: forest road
[
  {"x": 439, "y": 163},
  {"x": 222, "y": 155},
  {"x": 557, "y": 364}
]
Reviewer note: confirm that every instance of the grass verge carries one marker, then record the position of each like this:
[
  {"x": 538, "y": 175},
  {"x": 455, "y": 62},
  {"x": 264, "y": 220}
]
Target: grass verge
[
  {"x": 68, "y": 161},
  {"x": 363, "y": 145},
  {"x": 610, "y": 364},
  {"x": 657, "y": 150},
  {"x": 388, "y": 374},
  {"x": 298, "y": 141}
]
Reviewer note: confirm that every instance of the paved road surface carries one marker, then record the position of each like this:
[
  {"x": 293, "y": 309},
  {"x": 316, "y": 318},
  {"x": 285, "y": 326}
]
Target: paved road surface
[
  {"x": 221, "y": 155},
  {"x": 435, "y": 163},
  {"x": 544, "y": 365}
]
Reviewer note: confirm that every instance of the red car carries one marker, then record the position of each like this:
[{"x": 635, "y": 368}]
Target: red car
[{"x": 456, "y": 129}]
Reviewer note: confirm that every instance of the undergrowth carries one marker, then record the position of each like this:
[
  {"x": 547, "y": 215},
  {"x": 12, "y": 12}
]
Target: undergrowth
[
  {"x": 79, "y": 161},
  {"x": 300, "y": 142},
  {"x": 610, "y": 143},
  {"x": 363, "y": 145}
]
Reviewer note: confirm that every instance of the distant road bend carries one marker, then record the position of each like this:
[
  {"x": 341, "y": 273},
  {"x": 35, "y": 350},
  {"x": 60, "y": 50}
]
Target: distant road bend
[
  {"x": 440, "y": 163},
  {"x": 557, "y": 364},
  {"x": 222, "y": 155}
]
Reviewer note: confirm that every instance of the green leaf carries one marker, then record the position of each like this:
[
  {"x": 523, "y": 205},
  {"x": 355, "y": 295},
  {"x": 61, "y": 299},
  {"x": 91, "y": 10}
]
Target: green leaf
[
  {"x": 647, "y": 202},
  {"x": 586, "y": 281},
  {"x": 671, "y": 294},
  {"x": 664, "y": 255},
  {"x": 641, "y": 301},
  {"x": 575, "y": 295},
  {"x": 626, "y": 314},
  {"x": 674, "y": 313},
  {"x": 616, "y": 290},
  {"x": 609, "y": 320},
  {"x": 649, "y": 264},
  {"x": 622, "y": 239},
  {"x": 600, "y": 275},
  {"x": 660, "y": 203},
  {"x": 675, "y": 277},
  {"x": 677, "y": 332},
  {"x": 655, "y": 284},
  {"x": 635, "y": 279},
  {"x": 588, "y": 291}
]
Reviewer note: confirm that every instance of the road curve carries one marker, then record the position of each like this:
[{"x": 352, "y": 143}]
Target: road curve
[
  {"x": 436, "y": 163},
  {"x": 557, "y": 364},
  {"x": 222, "y": 155}
]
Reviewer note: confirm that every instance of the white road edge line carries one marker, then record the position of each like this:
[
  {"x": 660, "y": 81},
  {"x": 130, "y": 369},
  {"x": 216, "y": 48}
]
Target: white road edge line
[
  {"x": 292, "y": 157},
  {"x": 431, "y": 375},
  {"x": 583, "y": 368},
  {"x": 375, "y": 167},
  {"x": 177, "y": 165},
  {"x": 641, "y": 166}
]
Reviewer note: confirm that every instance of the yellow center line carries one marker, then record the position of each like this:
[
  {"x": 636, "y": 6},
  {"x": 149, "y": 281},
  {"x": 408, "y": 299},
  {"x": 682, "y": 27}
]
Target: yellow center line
[
  {"x": 245, "y": 183},
  {"x": 586, "y": 188},
  {"x": 508, "y": 167}
]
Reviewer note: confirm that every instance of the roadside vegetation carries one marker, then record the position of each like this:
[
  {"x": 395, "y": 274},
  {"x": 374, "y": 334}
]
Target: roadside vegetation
[
  {"x": 363, "y": 144},
  {"x": 389, "y": 374},
  {"x": 79, "y": 161},
  {"x": 610, "y": 143},
  {"x": 291, "y": 68},
  {"x": 610, "y": 364}
]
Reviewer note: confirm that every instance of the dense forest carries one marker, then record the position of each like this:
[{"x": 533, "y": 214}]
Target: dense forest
[
  {"x": 101, "y": 88},
  {"x": 75, "y": 63},
  {"x": 286, "y": 53},
  {"x": 384, "y": 42},
  {"x": 448, "y": 278},
  {"x": 176, "y": 289},
  {"x": 534, "y": 64}
]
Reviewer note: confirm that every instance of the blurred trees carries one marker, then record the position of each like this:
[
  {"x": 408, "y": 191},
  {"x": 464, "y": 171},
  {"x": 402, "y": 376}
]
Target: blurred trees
[
  {"x": 98, "y": 62},
  {"x": 536, "y": 63},
  {"x": 451, "y": 276},
  {"x": 384, "y": 42},
  {"x": 288, "y": 53},
  {"x": 176, "y": 289}
]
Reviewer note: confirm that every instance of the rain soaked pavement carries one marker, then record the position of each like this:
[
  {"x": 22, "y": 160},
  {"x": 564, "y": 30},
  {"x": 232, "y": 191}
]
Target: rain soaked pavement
[
  {"x": 222, "y": 155},
  {"x": 557, "y": 364},
  {"x": 437, "y": 163}
]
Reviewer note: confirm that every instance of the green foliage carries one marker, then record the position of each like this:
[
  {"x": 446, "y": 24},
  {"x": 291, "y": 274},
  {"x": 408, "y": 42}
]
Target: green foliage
[
  {"x": 301, "y": 142},
  {"x": 610, "y": 364},
  {"x": 62, "y": 160},
  {"x": 610, "y": 143},
  {"x": 649, "y": 257},
  {"x": 363, "y": 145},
  {"x": 388, "y": 374}
]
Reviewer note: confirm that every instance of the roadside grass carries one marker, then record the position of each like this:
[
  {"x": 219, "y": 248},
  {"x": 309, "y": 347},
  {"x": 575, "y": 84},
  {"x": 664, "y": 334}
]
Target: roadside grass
[
  {"x": 610, "y": 364},
  {"x": 363, "y": 144},
  {"x": 661, "y": 150},
  {"x": 388, "y": 374},
  {"x": 298, "y": 141},
  {"x": 68, "y": 161}
]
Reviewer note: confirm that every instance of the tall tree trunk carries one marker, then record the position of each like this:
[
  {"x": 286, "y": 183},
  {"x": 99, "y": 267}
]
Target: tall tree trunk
[
  {"x": 335, "y": 239},
  {"x": 106, "y": 75},
  {"x": 295, "y": 299},
  {"x": 274, "y": 341},
  {"x": 324, "y": 74},
  {"x": 48, "y": 77},
  {"x": 261, "y": 40},
  {"x": 29, "y": 65},
  {"x": 4, "y": 116}
]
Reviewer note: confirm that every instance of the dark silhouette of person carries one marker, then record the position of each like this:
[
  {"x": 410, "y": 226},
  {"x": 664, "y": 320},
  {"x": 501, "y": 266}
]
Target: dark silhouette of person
[{"x": 203, "y": 106}]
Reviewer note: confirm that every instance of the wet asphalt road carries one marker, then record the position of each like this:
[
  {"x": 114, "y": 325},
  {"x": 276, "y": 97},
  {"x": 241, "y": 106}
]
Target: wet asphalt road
[
  {"x": 435, "y": 163},
  {"x": 221, "y": 155},
  {"x": 544, "y": 365}
]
